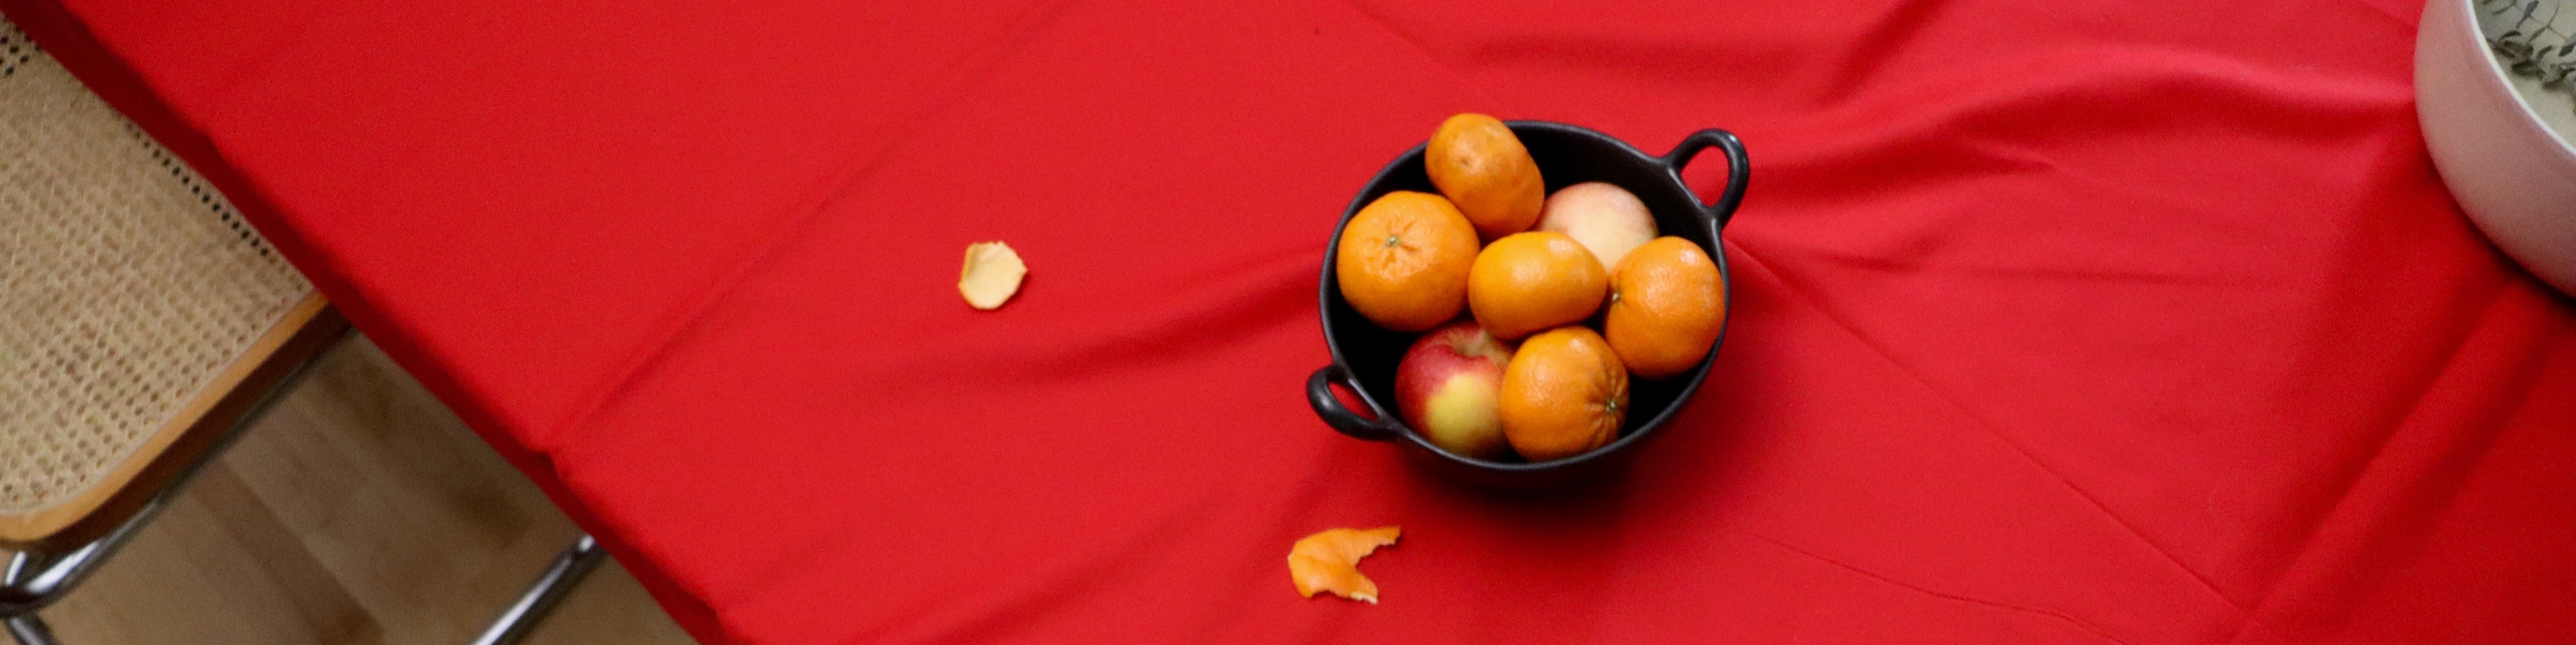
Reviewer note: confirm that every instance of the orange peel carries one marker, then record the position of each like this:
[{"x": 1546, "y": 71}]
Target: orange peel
[
  {"x": 1328, "y": 561},
  {"x": 992, "y": 274}
]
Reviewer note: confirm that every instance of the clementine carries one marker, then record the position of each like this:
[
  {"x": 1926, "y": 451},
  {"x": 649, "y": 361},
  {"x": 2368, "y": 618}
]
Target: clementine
[
  {"x": 1564, "y": 394},
  {"x": 1482, "y": 166},
  {"x": 1666, "y": 307},
  {"x": 1403, "y": 261},
  {"x": 1532, "y": 281}
]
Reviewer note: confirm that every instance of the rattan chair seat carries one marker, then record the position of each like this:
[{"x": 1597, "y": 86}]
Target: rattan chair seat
[{"x": 128, "y": 290}]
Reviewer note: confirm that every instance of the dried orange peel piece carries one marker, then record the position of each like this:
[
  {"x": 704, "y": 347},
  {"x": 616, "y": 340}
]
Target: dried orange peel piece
[
  {"x": 1328, "y": 561},
  {"x": 993, "y": 272}
]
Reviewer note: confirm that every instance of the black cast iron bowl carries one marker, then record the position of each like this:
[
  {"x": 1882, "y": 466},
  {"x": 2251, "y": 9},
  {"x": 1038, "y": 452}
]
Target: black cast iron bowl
[{"x": 1364, "y": 355}]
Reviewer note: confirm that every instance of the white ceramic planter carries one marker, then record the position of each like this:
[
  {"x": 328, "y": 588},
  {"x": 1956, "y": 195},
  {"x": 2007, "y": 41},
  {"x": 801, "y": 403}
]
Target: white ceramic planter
[{"x": 2512, "y": 176}]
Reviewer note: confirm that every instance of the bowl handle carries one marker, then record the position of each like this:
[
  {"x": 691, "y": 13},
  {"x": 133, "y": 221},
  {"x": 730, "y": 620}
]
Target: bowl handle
[
  {"x": 1738, "y": 171},
  {"x": 1319, "y": 393}
]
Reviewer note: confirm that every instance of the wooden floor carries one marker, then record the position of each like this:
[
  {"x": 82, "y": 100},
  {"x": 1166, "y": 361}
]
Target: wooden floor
[{"x": 359, "y": 511}]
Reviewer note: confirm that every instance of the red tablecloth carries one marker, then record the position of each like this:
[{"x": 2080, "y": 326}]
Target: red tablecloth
[{"x": 2055, "y": 321}]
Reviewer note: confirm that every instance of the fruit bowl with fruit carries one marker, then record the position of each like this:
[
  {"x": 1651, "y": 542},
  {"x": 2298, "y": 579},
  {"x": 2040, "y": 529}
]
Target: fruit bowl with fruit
[{"x": 1524, "y": 304}]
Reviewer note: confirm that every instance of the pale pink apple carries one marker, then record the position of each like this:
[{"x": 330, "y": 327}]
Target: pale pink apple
[
  {"x": 1607, "y": 219},
  {"x": 1448, "y": 387}
]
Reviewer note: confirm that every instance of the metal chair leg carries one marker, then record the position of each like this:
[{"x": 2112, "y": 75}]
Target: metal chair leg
[
  {"x": 21, "y": 565},
  {"x": 18, "y": 617},
  {"x": 541, "y": 597},
  {"x": 30, "y": 630},
  {"x": 30, "y": 581},
  {"x": 33, "y": 580}
]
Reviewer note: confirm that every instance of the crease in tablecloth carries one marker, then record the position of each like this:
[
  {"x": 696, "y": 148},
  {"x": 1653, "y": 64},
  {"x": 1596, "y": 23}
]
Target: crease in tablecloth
[
  {"x": 1787, "y": 288},
  {"x": 1456, "y": 73},
  {"x": 2070, "y": 619},
  {"x": 972, "y": 70},
  {"x": 2416, "y": 480}
]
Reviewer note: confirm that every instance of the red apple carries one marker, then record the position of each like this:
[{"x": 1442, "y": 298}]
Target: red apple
[
  {"x": 1607, "y": 219},
  {"x": 1448, "y": 385}
]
